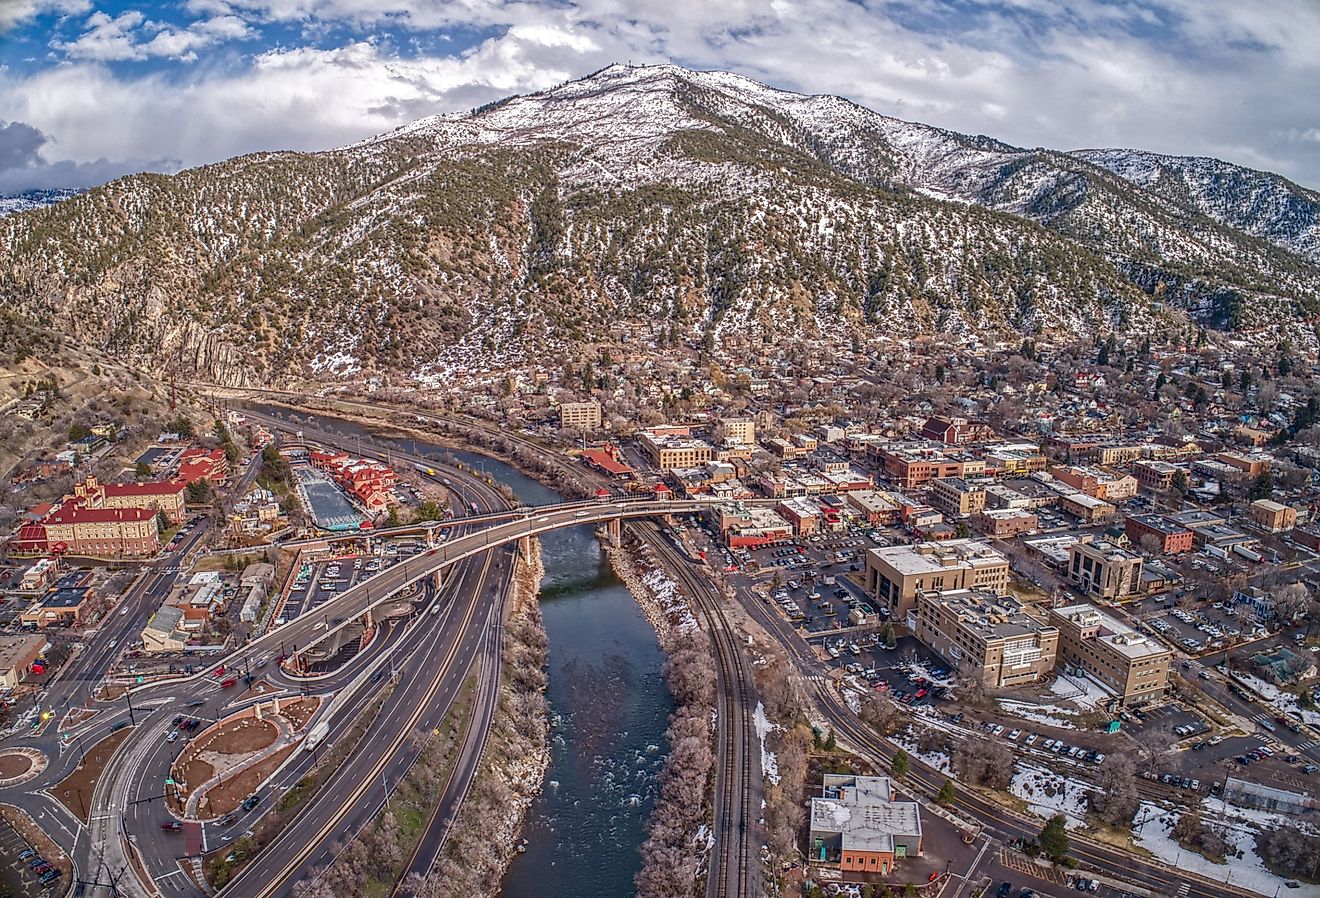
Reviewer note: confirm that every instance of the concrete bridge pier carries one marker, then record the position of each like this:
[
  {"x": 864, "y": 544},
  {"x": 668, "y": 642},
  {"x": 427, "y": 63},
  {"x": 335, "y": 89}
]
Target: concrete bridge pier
[{"x": 614, "y": 532}]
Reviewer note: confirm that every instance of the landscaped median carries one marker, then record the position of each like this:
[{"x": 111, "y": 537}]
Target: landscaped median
[{"x": 229, "y": 760}]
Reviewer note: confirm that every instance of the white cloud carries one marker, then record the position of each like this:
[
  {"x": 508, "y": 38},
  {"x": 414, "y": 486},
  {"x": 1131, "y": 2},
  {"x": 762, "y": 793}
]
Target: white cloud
[
  {"x": 16, "y": 12},
  {"x": 1212, "y": 77},
  {"x": 118, "y": 39}
]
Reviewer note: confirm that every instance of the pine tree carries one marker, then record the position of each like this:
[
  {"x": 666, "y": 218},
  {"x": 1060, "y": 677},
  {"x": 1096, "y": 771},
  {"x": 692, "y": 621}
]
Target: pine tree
[
  {"x": 901, "y": 763},
  {"x": 946, "y": 793},
  {"x": 1054, "y": 838},
  {"x": 831, "y": 741}
]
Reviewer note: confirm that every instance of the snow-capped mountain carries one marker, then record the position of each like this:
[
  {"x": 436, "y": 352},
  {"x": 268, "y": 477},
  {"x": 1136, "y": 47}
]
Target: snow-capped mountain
[
  {"x": 33, "y": 199},
  {"x": 653, "y": 204}
]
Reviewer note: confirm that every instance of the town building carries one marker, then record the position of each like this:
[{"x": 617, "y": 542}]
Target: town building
[
  {"x": 751, "y": 525},
  {"x": 75, "y": 529},
  {"x": 1253, "y": 464},
  {"x": 803, "y": 513},
  {"x": 1173, "y": 539},
  {"x": 166, "y": 496},
  {"x": 63, "y": 604},
  {"x": 858, "y": 824},
  {"x": 201, "y": 464},
  {"x": 581, "y": 415},
  {"x": 674, "y": 447},
  {"x": 911, "y": 465},
  {"x": 17, "y": 655},
  {"x": 1273, "y": 516},
  {"x": 739, "y": 431},
  {"x": 1005, "y": 523},
  {"x": 956, "y": 497},
  {"x": 986, "y": 636},
  {"x": 1132, "y": 666},
  {"x": 1087, "y": 509},
  {"x": 1156, "y": 476},
  {"x": 895, "y": 574},
  {"x": 957, "y": 431},
  {"x": 1104, "y": 571}
]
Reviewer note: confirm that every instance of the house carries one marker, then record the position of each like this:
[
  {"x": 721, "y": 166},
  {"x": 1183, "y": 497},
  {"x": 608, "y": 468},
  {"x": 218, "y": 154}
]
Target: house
[
  {"x": 957, "y": 431},
  {"x": 1282, "y": 666},
  {"x": 859, "y": 826}
]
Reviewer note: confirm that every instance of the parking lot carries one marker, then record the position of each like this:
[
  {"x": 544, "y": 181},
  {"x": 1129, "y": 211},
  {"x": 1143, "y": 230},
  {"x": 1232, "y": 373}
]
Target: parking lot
[
  {"x": 1210, "y": 629},
  {"x": 319, "y": 581}
]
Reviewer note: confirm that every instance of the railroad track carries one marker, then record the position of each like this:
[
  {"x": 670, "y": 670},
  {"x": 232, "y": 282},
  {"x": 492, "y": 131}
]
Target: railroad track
[{"x": 731, "y": 877}]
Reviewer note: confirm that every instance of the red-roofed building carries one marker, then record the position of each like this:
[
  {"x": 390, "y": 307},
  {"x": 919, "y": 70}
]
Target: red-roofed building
[
  {"x": 165, "y": 496},
  {"x": 370, "y": 483},
  {"x": 199, "y": 464},
  {"x": 102, "y": 532},
  {"x": 608, "y": 460}
]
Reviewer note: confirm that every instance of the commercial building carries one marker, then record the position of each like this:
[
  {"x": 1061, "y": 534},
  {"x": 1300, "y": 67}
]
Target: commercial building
[
  {"x": 916, "y": 464},
  {"x": 1004, "y": 523},
  {"x": 17, "y": 653},
  {"x": 1103, "y": 570},
  {"x": 803, "y": 513},
  {"x": 1273, "y": 516},
  {"x": 956, "y": 497},
  {"x": 858, "y": 825},
  {"x": 1156, "y": 476},
  {"x": 751, "y": 525},
  {"x": 986, "y": 636},
  {"x": 1173, "y": 538},
  {"x": 673, "y": 447},
  {"x": 1253, "y": 464},
  {"x": 739, "y": 431},
  {"x": 895, "y": 574},
  {"x": 1133, "y": 667},
  {"x": 1088, "y": 509},
  {"x": 582, "y": 415}
]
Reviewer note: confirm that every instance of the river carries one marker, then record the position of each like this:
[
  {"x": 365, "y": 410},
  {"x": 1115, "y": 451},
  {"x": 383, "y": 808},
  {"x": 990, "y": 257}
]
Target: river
[{"x": 608, "y": 703}]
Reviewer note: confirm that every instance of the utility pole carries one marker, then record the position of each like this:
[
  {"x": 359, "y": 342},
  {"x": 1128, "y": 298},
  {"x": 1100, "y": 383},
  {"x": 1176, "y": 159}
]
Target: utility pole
[{"x": 128, "y": 697}]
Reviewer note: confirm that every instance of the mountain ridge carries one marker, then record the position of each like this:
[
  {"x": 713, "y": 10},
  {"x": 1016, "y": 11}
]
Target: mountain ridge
[{"x": 655, "y": 205}]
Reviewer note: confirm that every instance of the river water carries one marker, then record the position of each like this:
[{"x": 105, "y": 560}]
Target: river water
[{"x": 608, "y": 703}]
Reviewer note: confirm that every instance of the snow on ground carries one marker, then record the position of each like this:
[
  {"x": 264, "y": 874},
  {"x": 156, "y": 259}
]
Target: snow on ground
[
  {"x": 853, "y": 699},
  {"x": 1248, "y": 871},
  {"x": 1081, "y": 691},
  {"x": 1049, "y": 715},
  {"x": 1284, "y": 702},
  {"x": 769, "y": 763},
  {"x": 1048, "y": 794},
  {"x": 937, "y": 759},
  {"x": 922, "y": 670},
  {"x": 669, "y": 598}
]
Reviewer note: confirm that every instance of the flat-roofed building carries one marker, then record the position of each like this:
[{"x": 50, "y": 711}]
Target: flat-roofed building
[
  {"x": 17, "y": 653},
  {"x": 1103, "y": 570},
  {"x": 858, "y": 824},
  {"x": 1273, "y": 516},
  {"x": 1155, "y": 475},
  {"x": 582, "y": 415},
  {"x": 1132, "y": 666},
  {"x": 739, "y": 431},
  {"x": 803, "y": 513},
  {"x": 1087, "y": 508},
  {"x": 986, "y": 636},
  {"x": 751, "y": 525},
  {"x": 955, "y": 496},
  {"x": 667, "y": 450},
  {"x": 1173, "y": 538},
  {"x": 895, "y": 574},
  {"x": 1003, "y": 523}
]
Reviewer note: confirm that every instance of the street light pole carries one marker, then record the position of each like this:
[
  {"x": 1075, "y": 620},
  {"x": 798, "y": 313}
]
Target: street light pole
[{"x": 128, "y": 697}]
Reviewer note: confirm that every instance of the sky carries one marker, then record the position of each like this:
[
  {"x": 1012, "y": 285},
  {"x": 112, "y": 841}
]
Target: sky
[{"x": 94, "y": 89}]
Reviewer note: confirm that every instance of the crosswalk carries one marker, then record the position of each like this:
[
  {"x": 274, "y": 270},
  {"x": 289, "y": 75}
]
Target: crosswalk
[
  {"x": 1308, "y": 744},
  {"x": 1184, "y": 889}
]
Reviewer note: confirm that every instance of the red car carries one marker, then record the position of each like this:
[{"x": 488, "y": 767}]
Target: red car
[
  {"x": 232, "y": 681},
  {"x": 219, "y": 671},
  {"x": 172, "y": 826}
]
